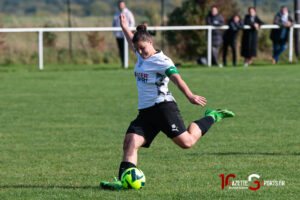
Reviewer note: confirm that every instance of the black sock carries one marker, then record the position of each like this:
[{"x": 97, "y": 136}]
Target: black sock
[
  {"x": 205, "y": 123},
  {"x": 124, "y": 166}
]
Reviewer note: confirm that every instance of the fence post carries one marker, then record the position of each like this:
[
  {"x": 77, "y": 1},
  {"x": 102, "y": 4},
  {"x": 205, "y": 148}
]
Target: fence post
[
  {"x": 41, "y": 58},
  {"x": 125, "y": 64},
  {"x": 209, "y": 45},
  {"x": 291, "y": 39}
]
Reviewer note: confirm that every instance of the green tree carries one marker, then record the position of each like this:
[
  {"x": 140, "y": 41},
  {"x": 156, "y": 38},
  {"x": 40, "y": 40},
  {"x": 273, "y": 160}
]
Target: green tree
[
  {"x": 190, "y": 44},
  {"x": 153, "y": 17},
  {"x": 99, "y": 9}
]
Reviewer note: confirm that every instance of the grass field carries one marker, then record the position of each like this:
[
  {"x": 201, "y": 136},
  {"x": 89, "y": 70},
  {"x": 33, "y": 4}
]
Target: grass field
[{"x": 61, "y": 134}]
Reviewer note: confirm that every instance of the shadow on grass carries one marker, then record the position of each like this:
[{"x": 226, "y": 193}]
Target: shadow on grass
[
  {"x": 48, "y": 187},
  {"x": 248, "y": 154}
]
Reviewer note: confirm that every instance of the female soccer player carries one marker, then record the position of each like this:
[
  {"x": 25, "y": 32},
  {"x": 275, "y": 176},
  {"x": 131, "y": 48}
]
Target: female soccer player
[{"x": 157, "y": 107}]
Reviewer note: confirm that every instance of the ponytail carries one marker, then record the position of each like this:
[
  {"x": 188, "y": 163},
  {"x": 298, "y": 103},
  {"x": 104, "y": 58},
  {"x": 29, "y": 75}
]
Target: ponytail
[{"x": 141, "y": 34}]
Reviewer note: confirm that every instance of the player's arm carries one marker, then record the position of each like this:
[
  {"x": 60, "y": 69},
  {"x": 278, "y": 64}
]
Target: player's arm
[
  {"x": 179, "y": 82},
  {"x": 128, "y": 34}
]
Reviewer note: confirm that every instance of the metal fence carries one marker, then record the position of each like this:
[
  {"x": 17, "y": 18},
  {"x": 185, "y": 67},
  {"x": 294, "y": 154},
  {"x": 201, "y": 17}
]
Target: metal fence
[{"x": 209, "y": 29}]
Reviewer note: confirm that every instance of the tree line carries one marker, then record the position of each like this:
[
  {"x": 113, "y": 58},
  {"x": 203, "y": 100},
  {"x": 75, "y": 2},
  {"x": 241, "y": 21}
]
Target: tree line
[
  {"x": 79, "y": 7},
  {"x": 107, "y": 8}
]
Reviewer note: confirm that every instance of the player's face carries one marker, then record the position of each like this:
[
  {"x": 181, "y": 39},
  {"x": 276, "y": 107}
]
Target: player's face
[{"x": 144, "y": 48}]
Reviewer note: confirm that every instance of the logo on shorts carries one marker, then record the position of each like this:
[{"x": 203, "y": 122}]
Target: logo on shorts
[{"x": 174, "y": 128}]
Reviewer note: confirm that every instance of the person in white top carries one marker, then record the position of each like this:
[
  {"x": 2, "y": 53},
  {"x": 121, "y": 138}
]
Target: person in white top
[
  {"x": 116, "y": 23},
  {"x": 158, "y": 110}
]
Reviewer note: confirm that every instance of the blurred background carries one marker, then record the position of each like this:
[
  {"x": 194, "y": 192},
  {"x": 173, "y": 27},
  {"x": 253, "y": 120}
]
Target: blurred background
[{"x": 100, "y": 47}]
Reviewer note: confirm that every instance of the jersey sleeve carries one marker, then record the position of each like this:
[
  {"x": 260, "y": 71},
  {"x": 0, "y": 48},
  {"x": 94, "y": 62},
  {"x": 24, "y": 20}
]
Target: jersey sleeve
[{"x": 167, "y": 67}]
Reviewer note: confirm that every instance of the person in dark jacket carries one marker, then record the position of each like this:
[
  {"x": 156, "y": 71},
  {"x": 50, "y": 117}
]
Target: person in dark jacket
[
  {"x": 249, "y": 38},
  {"x": 215, "y": 19},
  {"x": 230, "y": 36},
  {"x": 280, "y": 36}
]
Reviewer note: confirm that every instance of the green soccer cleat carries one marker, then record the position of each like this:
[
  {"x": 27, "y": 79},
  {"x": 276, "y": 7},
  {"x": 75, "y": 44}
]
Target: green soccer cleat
[
  {"x": 219, "y": 114},
  {"x": 116, "y": 185}
]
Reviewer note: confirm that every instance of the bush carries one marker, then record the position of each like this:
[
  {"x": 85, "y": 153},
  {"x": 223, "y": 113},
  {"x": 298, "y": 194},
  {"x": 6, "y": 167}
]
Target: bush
[
  {"x": 264, "y": 42},
  {"x": 96, "y": 41},
  {"x": 49, "y": 38}
]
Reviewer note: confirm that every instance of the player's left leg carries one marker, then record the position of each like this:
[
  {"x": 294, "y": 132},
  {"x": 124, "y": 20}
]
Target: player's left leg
[
  {"x": 140, "y": 133},
  {"x": 132, "y": 143},
  {"x": 200, "y": 127},
  {"x": 188, "y": 138}
]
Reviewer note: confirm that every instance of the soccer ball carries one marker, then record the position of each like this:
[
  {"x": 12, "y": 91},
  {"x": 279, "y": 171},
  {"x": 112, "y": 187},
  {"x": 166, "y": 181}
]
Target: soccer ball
[{"x": 133, "y": 178}]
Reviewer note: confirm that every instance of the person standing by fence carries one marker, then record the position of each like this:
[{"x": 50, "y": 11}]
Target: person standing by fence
[
  {"x": 280, "y": 36},
  {"x": 230, "y": 36},
  {"x": 249, "y": 38},
  {"x": 116, "y": 23},
  {"x": 215, "y": 19}
]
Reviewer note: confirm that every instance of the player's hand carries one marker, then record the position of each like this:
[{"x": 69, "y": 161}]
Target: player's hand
[
  {"x": 123, "y": 20},
  {"x": 256, "y": 25},
  {"x": 198, "y": 100}
]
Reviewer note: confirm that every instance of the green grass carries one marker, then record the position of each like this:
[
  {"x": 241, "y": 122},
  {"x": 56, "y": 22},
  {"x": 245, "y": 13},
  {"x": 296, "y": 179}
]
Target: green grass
[{"x": 62, "y": 131}]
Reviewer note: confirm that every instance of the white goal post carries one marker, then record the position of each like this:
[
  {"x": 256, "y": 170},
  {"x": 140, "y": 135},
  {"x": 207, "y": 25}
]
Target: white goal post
[{"x": 209, "y": 29}]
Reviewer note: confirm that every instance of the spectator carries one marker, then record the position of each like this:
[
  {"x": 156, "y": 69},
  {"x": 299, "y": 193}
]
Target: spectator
[
  {"x": 215, "y": 19},
  {"x": 249, "y": 38},
  {"x": 116, "y": 23},
  {"x": 280, "y": 36},
  {"x": 230, "y": 36}
]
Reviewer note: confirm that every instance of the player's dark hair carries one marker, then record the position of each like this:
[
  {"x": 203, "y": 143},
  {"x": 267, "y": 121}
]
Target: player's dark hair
[{"x": 141, "y": 34}]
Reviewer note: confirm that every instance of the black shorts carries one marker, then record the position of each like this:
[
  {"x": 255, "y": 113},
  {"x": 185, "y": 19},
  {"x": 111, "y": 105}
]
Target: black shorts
[{"x": 163, "y": 117}]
